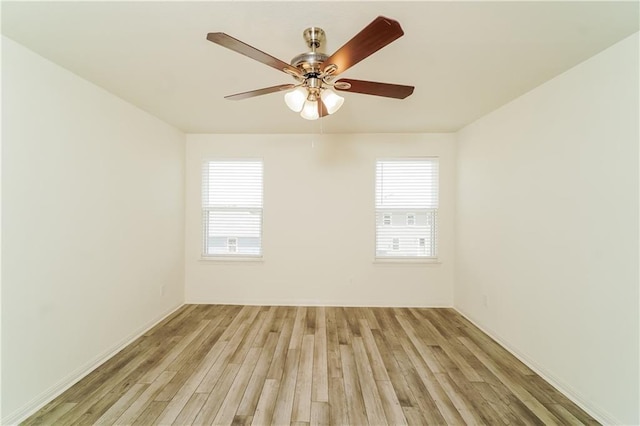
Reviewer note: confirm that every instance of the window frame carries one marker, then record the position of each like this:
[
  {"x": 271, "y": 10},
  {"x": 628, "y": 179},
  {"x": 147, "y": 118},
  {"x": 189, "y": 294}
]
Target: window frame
[
  {"x": 206, "y": 210},
  {"x": 432, "y": 215}
]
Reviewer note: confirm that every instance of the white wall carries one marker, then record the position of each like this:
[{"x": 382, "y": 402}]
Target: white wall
[
  {"x": 547, "y": 229},
  {"x": 319, "y": 224},
  {"x": 92, "y": 222}
]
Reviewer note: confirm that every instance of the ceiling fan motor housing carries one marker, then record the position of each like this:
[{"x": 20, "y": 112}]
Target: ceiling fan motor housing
[{"x": 310, "y": 62}]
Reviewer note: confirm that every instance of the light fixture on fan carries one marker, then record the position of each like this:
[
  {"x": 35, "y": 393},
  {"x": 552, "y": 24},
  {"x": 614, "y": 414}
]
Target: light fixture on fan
[
  {"x": 315, "y": 72},
  {"x": 305, "y": 101},
  {"x": 314, "y": 98}
]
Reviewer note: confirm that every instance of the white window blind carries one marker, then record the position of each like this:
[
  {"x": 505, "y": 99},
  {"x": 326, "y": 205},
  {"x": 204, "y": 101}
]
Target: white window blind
[
  {"x": 406, "y": 208},
  {"x": 232, "y": 208}
]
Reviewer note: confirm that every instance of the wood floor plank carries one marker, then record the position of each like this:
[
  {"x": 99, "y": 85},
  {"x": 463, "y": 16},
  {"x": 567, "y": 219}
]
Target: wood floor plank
[
  {"x": 337, "y": 402},
  {"x": 370, "y": 394},
  {"x": 242, "y": 420},
  {"x": 344, "y": 334},
  {"x": 265, "y": 327},
  {"x": 421, "y": 346},
  {"x": 189, "y": 411},
  {"x": 217, "y": 369},
  {"x": 423, "y": 399},
  {"x": 439, "y": 396},
  {"x": 533, "y": 404},
  {"x": 403, "y": 394},
  {"x": 301, "y": 411},
  {"x": 373, "y": 353},
  {"x": 320, "y": 386},
  {"x": 211, "y": 406},
  {"x": 52, "y": 416},
  {"x": 390, "y": 404},
  {"x": 319, "y": 414},
  {"x": 464, "y": 407},
  {"x": 176, "y": 405},
  {"x": 286, "y": 391},
  {"x": 276, "y": 369},
  {"x": 352, "y": 390},
  {"x": 198, "y": 348},
  {"x": 187, "y": 365},
  {"x": 254, "y": 387},
  {"x": 186, "y": 392},
  {"x": 564, "y": 415},
  {"x": 413, "y": 416},
  {"x": 232, "y": 400},
  {"x": 115, "y": 381},
  {"x": 267, "y": 365},
  {"x": 116, "y": 410},
  {"x": 254, "y": 327},
  {"x": 299, "y": 327},
  {"x": 334, "y": 365},
  {"x": 136, "y": 408},
  {"x": 150, "y": 414},
  {"x": 508, "y": 412},
  {"x": 266, "y": 403}
]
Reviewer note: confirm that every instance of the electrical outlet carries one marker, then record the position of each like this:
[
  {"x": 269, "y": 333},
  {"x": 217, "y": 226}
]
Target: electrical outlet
[
  {"x": 485, "y": 300},
  {"x": 163, "y": 289}
]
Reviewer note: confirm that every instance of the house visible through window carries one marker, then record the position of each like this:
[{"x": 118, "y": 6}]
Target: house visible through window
[
  {"x": 407, "y": 197},
  {"x": 232, "y": 208},
  {"x": 232, "y": 245}
]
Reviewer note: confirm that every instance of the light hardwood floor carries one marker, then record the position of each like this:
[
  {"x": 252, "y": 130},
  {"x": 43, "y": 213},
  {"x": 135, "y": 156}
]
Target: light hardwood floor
[{"x": 219, "y": 364}]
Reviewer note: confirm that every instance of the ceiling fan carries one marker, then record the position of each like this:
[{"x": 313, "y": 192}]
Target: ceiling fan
[{"x": 315, "y": 72}]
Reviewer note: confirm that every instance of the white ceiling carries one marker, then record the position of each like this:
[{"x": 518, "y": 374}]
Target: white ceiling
[{"x": 464, "y": 58}]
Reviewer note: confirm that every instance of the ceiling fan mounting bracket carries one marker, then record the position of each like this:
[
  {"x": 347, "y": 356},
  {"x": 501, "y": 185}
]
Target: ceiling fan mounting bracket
[{"x": 314, "y": 37}]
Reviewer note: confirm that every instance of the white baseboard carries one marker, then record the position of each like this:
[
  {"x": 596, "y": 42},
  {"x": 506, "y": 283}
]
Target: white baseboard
[
  {"x": 312, "y": 302},
  {"x": 54, "y": 391},
  {"x": 588, "y": 406}
]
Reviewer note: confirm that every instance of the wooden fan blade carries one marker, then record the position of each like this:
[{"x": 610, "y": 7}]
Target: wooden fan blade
[
  {"x": 387, "y": 90},
  {"x": 380, "y": 32},
  {"x": 244, "y": 49},
  {"x": 260, "y": 92}
]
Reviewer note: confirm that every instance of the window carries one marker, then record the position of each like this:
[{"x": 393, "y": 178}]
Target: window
[
  {"x": 407, "y": 196},
  {"x": 232, "y": 208}
]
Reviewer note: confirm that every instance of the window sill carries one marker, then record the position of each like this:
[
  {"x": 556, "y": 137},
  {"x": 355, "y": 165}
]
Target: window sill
[
  {"x": 231, "y": 259},
  {"x": 401, "y": 260}
]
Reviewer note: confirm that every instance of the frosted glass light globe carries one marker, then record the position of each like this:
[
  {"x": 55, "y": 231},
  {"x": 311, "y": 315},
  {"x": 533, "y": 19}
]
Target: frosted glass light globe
[
  {"x": 332, "y": 101},
  {"x": 295, "y": 98},
  {"x": 310, "y": 110}
]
